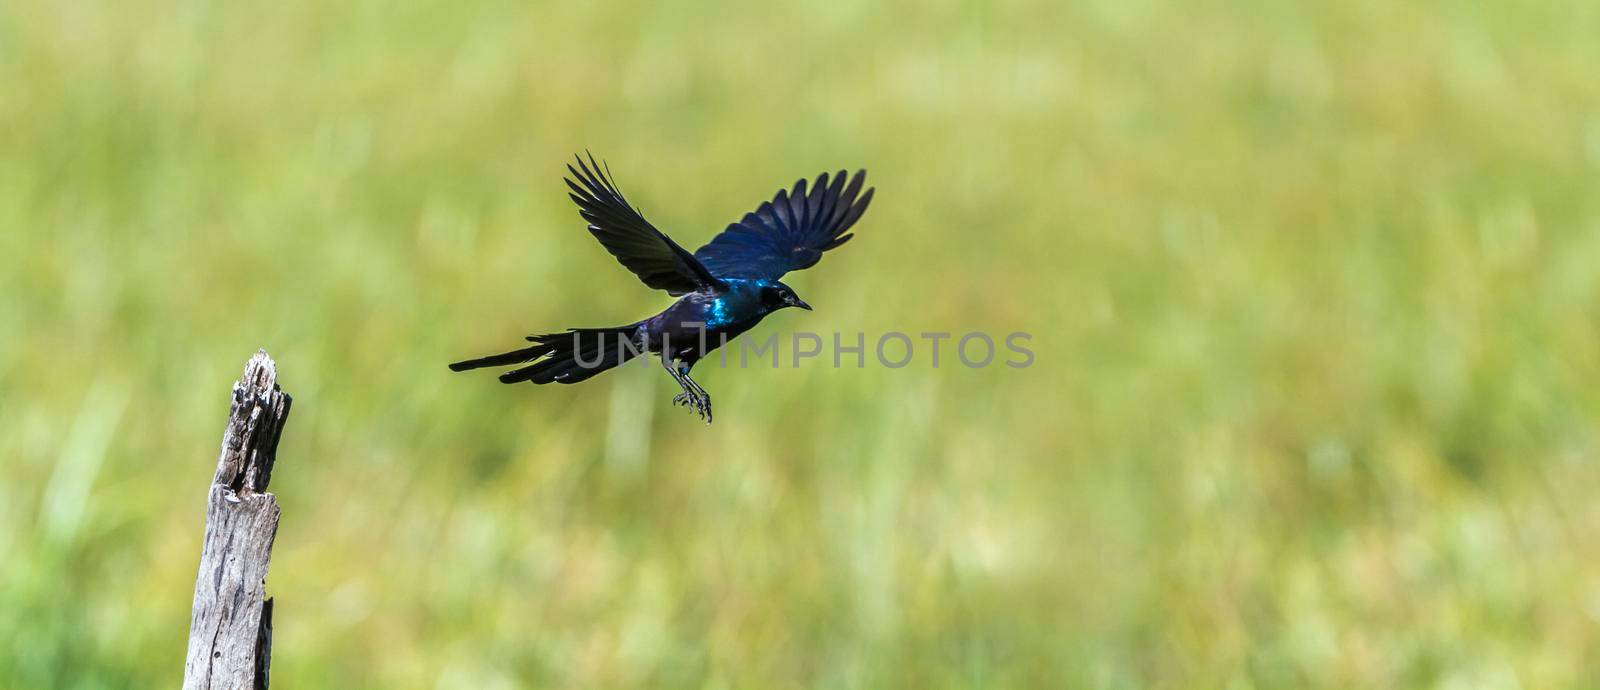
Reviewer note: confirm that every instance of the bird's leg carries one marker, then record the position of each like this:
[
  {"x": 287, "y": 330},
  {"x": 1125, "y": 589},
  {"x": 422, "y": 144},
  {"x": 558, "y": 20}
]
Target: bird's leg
[
  {"x": 681, "y": 398},
  {"x": 692, "y": 396},
  {"x": 702, "y": 398}
]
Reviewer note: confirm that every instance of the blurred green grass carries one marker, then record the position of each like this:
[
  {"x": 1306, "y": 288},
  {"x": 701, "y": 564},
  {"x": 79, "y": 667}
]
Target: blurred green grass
[{"x": 1314, "y": 292}]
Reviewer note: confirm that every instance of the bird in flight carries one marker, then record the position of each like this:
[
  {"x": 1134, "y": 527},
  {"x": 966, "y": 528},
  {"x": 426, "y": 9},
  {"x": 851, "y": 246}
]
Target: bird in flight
[{"x": 724, "y": 288}]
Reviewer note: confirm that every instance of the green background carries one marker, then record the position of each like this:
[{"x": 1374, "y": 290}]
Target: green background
[{"x": 1314, "y": 291}]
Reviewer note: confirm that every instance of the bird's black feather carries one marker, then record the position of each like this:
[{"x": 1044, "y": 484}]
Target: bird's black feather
[
  {"x": 513, "y": 357},
  {"x": 790, "y": 232},
  {"x": 570, "y": 357},
  {"x": 623, "y": 231}
]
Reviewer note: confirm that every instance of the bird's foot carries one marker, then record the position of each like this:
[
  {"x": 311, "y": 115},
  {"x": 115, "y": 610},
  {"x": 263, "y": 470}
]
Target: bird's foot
[
  {"x": 704, "y": 408},
  {"x": 698, "y": 403}
]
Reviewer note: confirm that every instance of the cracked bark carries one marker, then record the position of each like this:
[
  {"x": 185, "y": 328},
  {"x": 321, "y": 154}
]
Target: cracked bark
[{"x": 230, "y": 631}]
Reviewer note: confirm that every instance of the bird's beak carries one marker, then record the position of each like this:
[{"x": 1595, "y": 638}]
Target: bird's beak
[{"x": 801, "y": 303}]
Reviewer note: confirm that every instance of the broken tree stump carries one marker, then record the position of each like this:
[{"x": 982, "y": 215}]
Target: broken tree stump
[{"x": 230, "y": 631}]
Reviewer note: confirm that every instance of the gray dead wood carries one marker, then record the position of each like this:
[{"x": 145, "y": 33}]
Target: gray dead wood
[{"x": 230, "y": 632}]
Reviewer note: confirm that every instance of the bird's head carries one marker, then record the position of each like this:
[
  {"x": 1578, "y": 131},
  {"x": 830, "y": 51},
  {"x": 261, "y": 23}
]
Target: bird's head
[{"x": 777, "y": 296}]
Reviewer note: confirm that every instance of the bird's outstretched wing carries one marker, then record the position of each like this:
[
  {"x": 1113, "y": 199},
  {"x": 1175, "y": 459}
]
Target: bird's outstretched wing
[
  {"x": 651, "y": 255},
  {"x": 790, "y": 232}
]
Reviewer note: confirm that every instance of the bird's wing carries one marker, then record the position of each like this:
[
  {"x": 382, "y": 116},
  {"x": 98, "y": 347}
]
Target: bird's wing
[
  {"x": 790, "y": 232},
  {"x": 651, "y": 255}
]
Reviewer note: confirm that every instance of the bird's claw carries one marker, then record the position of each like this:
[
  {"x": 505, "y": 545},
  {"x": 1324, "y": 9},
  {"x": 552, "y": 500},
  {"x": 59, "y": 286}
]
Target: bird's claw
[
  {"x": 698, "y": 404},
  {"x": 705, "y": 408}
]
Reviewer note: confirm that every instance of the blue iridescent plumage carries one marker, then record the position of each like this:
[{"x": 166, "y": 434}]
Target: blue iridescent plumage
[{"x": 719, "y": 316}]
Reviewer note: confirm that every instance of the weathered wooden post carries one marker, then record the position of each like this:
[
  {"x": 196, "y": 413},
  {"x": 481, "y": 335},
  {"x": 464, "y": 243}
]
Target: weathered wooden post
[{"x": 230, "y": 632}]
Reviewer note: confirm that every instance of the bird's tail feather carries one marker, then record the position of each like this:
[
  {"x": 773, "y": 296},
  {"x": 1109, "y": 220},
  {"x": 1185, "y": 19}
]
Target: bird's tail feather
[
  {"x": 503, "y": 359},
  {"x": 570, "y": 357}
]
